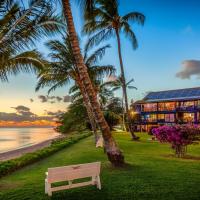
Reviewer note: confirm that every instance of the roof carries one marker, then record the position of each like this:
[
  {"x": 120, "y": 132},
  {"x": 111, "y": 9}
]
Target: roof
[{"x": 170, "y": 95}]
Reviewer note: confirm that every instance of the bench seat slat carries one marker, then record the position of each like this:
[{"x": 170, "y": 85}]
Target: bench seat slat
[
  {"x": 72, "y": 175},
  {"x": 71, "y": 167},
  {"x": 74, "y": 185}
]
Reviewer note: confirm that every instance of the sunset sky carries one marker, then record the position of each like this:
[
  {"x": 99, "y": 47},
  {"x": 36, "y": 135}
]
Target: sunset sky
[{"x": 168, "y": 57}]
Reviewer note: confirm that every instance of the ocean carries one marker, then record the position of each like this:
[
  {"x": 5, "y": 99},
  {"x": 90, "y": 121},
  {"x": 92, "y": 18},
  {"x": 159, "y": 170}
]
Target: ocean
[{"x": 15, "y": 138}]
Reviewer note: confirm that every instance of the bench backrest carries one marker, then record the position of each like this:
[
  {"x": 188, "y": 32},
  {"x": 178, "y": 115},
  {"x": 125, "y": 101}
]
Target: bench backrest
[{"x": 72, "y": 172}]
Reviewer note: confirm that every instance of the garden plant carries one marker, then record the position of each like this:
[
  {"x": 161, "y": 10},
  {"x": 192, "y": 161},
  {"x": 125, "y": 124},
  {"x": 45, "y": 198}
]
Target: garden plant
[{"x": 179, "y": 136}]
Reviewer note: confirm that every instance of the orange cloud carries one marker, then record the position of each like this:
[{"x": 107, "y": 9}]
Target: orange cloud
[{"x": 37, "y": 123}]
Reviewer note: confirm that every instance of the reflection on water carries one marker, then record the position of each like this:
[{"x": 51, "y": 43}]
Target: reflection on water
[{"x": 14, "y": 138}]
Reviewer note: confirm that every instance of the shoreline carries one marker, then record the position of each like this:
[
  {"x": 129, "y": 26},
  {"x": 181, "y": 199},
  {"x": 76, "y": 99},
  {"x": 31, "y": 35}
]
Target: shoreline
[{"x": 11, "y": 154}]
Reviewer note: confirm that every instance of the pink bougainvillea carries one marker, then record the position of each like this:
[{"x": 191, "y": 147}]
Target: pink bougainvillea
[{"x": 179, "y": 136}]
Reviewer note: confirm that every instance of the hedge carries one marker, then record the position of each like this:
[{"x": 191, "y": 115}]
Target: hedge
[{"x": 6, "y": 167}]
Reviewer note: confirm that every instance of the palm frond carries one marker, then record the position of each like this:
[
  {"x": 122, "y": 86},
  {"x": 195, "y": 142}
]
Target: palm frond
[
  {"x": 96, "y": 55},
  {"x": 130, "y": 34},
  {"x": 99, "y": 37},
  {"x": 99, "y": 72},
  {"x": 29, "y": 61},
  {"x": 132, "y": 87},
  {"x": 135, "y": 17}
]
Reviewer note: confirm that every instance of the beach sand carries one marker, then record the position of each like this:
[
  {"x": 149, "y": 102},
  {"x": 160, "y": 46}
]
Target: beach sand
[{"x": 19, "y": 152}]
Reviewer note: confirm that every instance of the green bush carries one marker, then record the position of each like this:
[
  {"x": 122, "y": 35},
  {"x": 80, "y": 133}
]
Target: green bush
[{"x": 9, "y": 166}]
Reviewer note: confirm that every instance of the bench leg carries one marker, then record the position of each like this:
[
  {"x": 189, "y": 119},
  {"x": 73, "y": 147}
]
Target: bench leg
[
  {"x": 70, "y": 183},
  {"x": 49, "y": 191},
  {"x": 48, "y": 188},
  {"x": 98, "y": 182},
  {"x": 94, "y": 180}
]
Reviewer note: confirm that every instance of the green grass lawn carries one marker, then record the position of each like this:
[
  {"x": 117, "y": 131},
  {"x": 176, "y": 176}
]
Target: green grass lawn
[{"x": 151, "y": 173}]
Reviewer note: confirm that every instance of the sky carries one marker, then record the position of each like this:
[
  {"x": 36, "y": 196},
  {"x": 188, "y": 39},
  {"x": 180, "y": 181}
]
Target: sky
[{"x": 168, "y": 57}]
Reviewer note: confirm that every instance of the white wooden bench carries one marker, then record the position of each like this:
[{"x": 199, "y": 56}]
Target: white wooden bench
[{"x": 70, "y": 173}]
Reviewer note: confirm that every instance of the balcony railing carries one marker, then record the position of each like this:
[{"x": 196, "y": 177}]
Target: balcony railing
[{"x": 187, "y": 108}]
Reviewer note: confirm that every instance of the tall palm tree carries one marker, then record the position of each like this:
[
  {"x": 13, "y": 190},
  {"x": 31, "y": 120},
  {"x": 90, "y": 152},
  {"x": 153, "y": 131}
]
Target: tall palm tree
[
  {"x": 105, "y": 23},
  {"x": 62, "y": 69},
  {"x": 114, "y": 154},
  {"x": 20, "y": 28}
]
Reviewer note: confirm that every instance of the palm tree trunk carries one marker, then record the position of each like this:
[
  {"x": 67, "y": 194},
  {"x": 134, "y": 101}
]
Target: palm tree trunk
[
  {"x": 134, "y": 137},
  {"x": 114, "y": 154},
  {"x": 89, "y": 109}
]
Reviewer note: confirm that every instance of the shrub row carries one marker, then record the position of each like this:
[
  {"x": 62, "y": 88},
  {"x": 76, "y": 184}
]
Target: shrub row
[{"x": 9, "y": 166}]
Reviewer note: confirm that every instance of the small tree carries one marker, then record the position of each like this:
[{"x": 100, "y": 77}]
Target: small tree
[{"x": 179, "y": 136}]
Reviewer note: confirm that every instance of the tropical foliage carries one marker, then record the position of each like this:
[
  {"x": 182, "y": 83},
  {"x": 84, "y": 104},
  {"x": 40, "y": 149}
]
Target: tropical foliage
[
  {"x": 106, "y": 22},
  {"x": 62, "y": 68},
  {"x": 179, "y": 136},
  {"x": 20, "y": 28}
]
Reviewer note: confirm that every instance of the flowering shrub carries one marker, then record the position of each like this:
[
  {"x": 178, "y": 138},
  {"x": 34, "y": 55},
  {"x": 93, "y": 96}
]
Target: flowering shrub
[{"x": 179, "y": 136}]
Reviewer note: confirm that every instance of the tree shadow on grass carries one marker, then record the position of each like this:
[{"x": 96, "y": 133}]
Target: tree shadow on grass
[{"x": 126, "y": 167}]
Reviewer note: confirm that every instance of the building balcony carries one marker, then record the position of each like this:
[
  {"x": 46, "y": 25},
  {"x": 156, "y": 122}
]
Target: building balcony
[{"x": 188, "y": 108}]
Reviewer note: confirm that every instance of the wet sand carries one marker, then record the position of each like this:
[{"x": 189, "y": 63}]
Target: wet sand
[{"x": 19, "y": 152}]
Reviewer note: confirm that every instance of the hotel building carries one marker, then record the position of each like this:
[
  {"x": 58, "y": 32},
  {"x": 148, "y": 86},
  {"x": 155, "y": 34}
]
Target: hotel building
[{"x": 168, "y": 107}]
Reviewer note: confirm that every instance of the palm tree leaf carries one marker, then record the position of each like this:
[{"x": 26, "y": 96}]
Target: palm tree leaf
[
  {"x": 30, "y": 61},
  {"x": 130, "y": 34},
  {"x": 132, "y": 87},
  {"x": 96, "y": 55},
  {"x": 135, "y": 17},
  {"x": 99, "y": 37}
]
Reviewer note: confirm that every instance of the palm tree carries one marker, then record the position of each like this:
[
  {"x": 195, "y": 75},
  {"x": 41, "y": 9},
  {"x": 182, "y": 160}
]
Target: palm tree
[
  {"x": 20, "y": 28},
  {"x": 62, "y": 69},
  {"x": 114, "y": 154},
  {"x": 105, "y": 23},
  {"x": 117, "y": 84}
]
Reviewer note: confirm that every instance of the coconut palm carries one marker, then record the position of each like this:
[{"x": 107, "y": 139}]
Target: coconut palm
[
  {"x": 117, "y": 84},
  {"x": 20, "y": 28},
  {"x": 105, "y": 23},
  {"x": 63, "y": 69},
  {"x": 114, "y": 154}
]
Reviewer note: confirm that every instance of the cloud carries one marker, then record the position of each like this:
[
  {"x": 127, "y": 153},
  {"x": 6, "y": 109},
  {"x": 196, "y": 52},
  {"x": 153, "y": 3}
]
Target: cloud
[
  {"x": 190, "y": 68},
  {"x": 54, "y": 114},
  {"x": 43, "y": 98},
  {"x": 28, "y": 116},
  {"x": 21, "y": 108},
  {"x": 59, "y": 98},
  {"x": 23, "y": 111},
  {"x": 67, "y": 98},
  {"x": 50, "y": 99}
]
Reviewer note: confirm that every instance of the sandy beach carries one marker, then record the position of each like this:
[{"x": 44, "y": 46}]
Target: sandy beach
[{"x": 19, "y": 152}]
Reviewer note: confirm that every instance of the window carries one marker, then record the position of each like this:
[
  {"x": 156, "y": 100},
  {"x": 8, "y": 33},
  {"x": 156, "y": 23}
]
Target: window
[
  {"x": 151, "y": 118},
  {"x": 188, "y": 117},
  {"x": 161, "y": 117},
  {"x": 150, "y": 107},
  {"x": 166, "y": 106},
  {"x": 161, "y": 106},
  {"x": 170, "y": 106},
  {"x": 187, "y": 104},
  {"x": 169, "y": 118}
]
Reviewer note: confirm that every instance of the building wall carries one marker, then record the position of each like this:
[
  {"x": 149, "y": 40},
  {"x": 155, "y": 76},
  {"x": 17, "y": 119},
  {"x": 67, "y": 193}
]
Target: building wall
[{"x": 168, "y": 112}]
